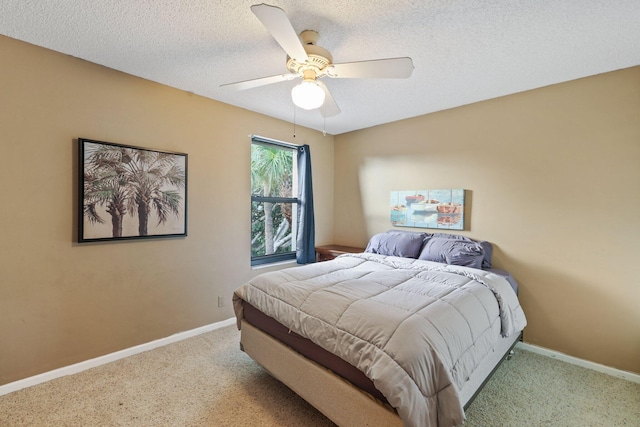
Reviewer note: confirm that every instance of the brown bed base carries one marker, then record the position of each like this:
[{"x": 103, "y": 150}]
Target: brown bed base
[
  {"x": 338, "y": 399},
  {"x": 335, "y": 397}
]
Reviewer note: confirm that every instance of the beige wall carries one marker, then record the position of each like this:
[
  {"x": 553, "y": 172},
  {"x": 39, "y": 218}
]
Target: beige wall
[
  {"x": 553, "y": 179},
  {"x": 61, "y": 302}
]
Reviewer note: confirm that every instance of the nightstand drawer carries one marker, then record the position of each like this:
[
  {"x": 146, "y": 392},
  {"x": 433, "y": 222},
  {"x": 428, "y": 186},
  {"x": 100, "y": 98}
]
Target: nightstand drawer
[{"x": 329, "y": 252}]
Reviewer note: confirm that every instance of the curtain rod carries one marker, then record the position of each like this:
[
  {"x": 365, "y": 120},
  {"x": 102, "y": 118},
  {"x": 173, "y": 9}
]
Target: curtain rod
[{"x": 274, "y": 141}]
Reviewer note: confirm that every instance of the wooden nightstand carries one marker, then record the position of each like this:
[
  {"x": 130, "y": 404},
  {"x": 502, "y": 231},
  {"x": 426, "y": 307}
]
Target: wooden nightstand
[{"x": 328, "y": 252}]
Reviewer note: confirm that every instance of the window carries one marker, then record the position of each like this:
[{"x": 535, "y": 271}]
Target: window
[{"x": 274, "y": 207}]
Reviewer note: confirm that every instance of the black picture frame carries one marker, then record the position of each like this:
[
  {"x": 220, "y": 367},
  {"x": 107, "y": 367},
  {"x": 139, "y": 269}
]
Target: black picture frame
[{"x": 127, "y": 192}]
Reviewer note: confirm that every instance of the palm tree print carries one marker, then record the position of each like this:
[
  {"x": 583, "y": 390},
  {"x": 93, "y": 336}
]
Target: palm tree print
[{"x": 134, "y": 182}]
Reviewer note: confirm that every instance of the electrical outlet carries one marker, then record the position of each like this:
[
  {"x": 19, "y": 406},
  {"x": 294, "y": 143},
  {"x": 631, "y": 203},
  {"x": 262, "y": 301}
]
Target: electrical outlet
[{"x": 221, "y": 302}]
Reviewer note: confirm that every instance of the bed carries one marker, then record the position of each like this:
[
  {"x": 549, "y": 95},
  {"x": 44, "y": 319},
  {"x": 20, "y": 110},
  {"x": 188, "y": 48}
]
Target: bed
[{"x": 405, "y": 333}]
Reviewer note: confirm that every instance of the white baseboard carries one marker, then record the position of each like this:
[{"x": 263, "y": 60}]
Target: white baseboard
[
  {"x": 107, "y": 358},
  {"x": 625, "y": 375}
]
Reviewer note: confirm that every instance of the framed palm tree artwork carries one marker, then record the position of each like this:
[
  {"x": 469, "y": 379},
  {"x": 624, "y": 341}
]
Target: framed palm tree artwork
[{"x": 128, "y": 192}]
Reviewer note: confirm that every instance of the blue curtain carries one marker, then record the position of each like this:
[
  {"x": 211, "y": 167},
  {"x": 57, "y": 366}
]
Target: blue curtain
[{"x": 306, "y": 251}]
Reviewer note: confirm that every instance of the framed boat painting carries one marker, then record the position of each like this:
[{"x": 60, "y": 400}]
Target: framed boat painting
[
  {"x": 128, "y": 192},
  {"x": 442, "y": 209}
]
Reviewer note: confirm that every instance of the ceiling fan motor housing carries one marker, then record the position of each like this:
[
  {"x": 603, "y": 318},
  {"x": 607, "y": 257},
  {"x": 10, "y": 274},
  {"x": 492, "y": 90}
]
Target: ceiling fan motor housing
[{"x": 318, "y": 60}]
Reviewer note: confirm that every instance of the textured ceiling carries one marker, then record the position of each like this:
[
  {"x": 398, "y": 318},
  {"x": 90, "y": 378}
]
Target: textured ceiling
[{"x": 463, "y": 51}]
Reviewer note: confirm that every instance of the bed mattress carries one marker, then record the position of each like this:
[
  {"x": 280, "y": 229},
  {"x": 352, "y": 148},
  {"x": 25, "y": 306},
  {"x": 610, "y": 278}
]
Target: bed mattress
[{"x": 310, "y": 350}]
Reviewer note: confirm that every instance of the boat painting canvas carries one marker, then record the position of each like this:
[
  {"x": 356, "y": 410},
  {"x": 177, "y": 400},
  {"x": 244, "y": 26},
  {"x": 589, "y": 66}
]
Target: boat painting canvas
[{"x": 428, "y": 208}]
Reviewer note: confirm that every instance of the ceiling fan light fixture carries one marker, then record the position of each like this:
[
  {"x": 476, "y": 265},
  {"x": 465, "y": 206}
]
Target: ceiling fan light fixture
[{"x": 308, "y": 95}]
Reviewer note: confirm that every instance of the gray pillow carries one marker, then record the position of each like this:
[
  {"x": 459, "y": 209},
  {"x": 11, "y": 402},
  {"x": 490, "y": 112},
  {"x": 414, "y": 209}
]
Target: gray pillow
[
  {"x": 396, "y": 243},
  {"x": 453, "y": 251},
  {"x": 487, "y": 247}
]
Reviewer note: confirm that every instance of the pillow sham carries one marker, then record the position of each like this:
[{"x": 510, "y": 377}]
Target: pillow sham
[
  {"x": 396, "y": 243},
  {"x": 453, "y": 251},
  {"x": 487, "y": 247}
]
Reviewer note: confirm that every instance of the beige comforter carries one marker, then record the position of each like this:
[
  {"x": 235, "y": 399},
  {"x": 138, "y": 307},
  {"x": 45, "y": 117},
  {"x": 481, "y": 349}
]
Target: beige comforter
[{"x": 416, "y": 328}]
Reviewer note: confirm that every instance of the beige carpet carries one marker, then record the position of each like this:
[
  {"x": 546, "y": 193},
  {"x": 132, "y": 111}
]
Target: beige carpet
[{"x": 208, "y": 381}]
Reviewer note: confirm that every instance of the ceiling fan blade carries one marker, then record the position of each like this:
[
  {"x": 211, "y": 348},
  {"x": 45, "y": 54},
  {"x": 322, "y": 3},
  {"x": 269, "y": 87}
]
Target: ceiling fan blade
[
  {"x": 276, "y": 22},
  {"x": 392, "y": 68},
  {"x": 250, "y": 84},
  {"x": 329, "y": 107}
]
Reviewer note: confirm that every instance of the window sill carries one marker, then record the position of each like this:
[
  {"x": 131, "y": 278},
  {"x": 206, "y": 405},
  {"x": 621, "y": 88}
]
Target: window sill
[{"x": 274, "y": 264}]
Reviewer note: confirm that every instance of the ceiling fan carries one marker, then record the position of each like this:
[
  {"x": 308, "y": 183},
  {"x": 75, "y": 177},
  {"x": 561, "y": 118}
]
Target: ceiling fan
[{"x": 310, "y": 62}]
